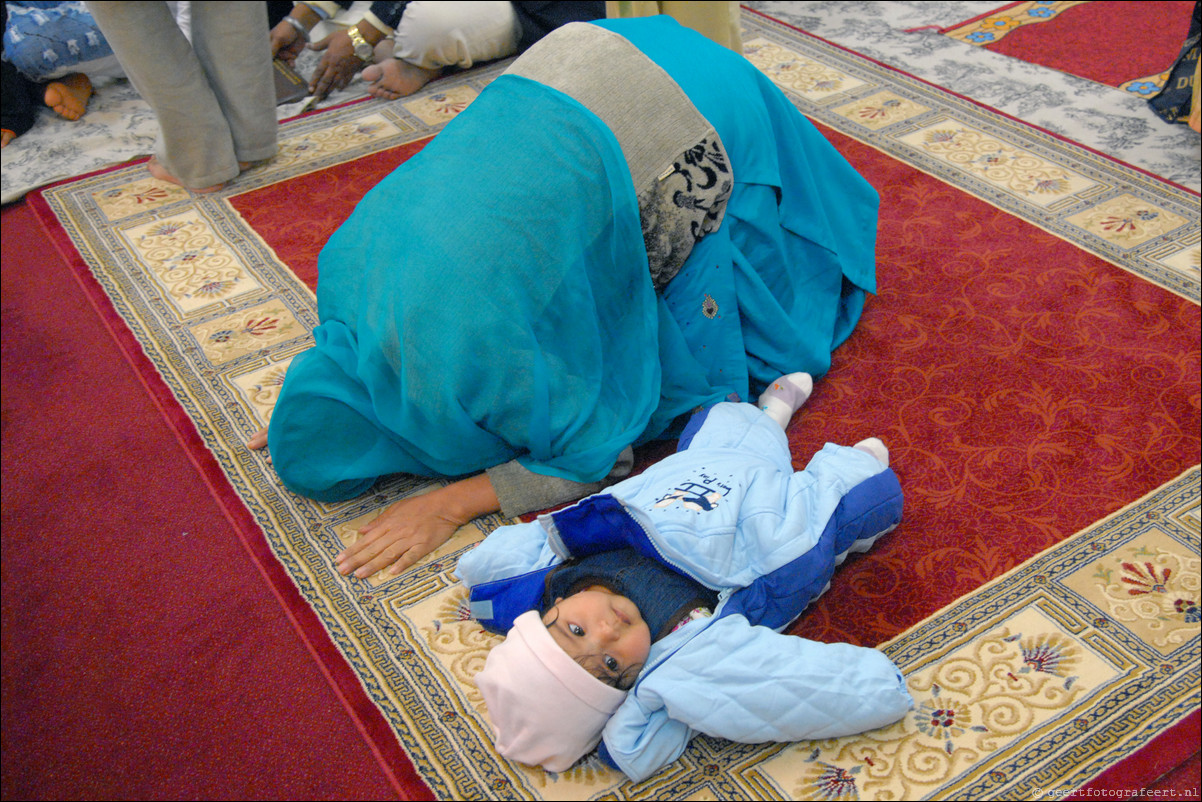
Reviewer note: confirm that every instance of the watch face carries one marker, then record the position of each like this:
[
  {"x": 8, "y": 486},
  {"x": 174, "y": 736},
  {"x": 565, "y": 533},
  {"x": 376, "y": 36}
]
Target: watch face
[{"x": 364, "y": 51}]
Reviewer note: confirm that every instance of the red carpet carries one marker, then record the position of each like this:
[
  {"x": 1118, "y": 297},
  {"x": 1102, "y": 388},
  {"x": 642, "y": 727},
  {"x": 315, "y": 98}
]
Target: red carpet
[
  {"x": 1109, "y": 42},
  {"x": 999, "y": 363},
  {"x": 1026, "y": 390},
  {"x": 143, "y": 655},
  {"x": 1080, "y": 391}
]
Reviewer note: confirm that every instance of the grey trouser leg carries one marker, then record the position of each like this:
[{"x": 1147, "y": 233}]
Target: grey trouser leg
[{"x": 214, "y": 97}]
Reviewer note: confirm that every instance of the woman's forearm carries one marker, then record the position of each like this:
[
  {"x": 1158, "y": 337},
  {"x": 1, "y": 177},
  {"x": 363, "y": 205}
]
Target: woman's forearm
[{"x": 470, "y": 498}]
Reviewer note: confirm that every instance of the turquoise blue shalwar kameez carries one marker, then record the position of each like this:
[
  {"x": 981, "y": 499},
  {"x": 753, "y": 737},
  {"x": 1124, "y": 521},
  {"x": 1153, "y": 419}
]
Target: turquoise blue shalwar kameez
[{"x": 491, "y": 300}]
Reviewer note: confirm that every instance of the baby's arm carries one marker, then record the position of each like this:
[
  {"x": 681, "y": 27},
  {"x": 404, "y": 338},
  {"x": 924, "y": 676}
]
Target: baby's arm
[
  {"x": 752, "y": 685},
  {"x": 505, "y": 574},
  {"x": 507, "y": 551}
]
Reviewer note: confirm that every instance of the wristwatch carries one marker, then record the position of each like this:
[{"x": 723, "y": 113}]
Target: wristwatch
[{"x": 363, "y": 50}]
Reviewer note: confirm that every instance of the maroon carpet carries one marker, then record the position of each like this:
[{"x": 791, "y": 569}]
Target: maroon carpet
[
  {"x": 185, "y": 678},
  {"x": 150, "y": 649},
  {"x": 143, "y": 654},
  {"x": 1027, "y": 389}
]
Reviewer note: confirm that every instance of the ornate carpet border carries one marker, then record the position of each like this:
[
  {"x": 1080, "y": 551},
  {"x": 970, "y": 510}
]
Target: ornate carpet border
[
  {"x": 1123, "y": 215},
  {"x": 994, "y": 25},
  {"x": 220, "y": 317},
  {"x": 1084, "y": 654}
]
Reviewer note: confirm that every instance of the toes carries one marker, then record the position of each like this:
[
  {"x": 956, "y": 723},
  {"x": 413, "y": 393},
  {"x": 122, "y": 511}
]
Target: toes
[
  {"x": 64, "y": 101},
  {"x": 158, "y": 171}
]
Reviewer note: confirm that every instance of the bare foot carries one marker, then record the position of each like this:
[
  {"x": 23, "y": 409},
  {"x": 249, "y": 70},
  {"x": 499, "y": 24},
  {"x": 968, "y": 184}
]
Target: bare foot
[
  {"x": 258, "y": 441},
  {"x": 160, "y": 172},
  {"x": 69, "y": 96},
  {"x": 392, "y": 78}
]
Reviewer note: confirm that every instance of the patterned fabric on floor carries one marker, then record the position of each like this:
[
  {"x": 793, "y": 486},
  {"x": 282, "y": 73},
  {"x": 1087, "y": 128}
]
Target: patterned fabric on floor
[
  {"x": 1039, "y": 679},
  {"x": 905, "y": 36},
  {"x": 1095, "y": 640}
]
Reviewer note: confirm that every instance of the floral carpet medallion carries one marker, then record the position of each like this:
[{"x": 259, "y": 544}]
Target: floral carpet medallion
[
  {"x": 1096, "y": 641},
  {"x": 1038, "y": 680}
]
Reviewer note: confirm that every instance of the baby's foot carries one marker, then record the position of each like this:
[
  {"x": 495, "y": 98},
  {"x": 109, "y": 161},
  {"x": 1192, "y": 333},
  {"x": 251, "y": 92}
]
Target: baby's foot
[
  {"x": 876, "y": 448},
  {"x": 69, "y": 96},
  {"x": 785, "y": 396},
  {"x": 391, "y": 78}
]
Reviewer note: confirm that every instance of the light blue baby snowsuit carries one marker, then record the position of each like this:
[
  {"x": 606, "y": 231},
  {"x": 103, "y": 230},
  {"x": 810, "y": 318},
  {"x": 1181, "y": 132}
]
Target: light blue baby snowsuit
[{"x": 729, "y": 511}]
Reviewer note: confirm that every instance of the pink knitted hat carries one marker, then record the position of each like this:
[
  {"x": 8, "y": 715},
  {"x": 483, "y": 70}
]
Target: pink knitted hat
[{"x": 546, "y": 709}]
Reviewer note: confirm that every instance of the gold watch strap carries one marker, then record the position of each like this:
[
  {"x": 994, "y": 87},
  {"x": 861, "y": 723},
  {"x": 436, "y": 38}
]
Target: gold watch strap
[{"x": 360, "y": 43}]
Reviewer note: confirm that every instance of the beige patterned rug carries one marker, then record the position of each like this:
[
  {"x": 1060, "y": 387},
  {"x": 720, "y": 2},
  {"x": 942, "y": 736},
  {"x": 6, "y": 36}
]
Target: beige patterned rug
[
  {"x": 1039, "y": 680},
  {"x": 1046, "y": 676}
]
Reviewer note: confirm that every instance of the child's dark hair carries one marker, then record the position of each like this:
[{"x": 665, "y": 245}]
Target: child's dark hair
[{"x": 623, "y": 681}]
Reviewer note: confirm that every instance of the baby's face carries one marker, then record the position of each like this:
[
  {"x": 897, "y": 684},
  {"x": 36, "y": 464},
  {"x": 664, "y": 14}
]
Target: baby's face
[{"x": 603, "y": 632}]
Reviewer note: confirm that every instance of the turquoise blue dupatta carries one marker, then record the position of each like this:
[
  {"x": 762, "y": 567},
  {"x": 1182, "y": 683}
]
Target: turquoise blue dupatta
[
  {"x": 488, "y": 300},
  {"x": 491, "y": 299}
]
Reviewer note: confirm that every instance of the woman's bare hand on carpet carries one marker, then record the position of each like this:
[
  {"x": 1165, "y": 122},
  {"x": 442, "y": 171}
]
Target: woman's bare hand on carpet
[{"x": 411, "y": 528}]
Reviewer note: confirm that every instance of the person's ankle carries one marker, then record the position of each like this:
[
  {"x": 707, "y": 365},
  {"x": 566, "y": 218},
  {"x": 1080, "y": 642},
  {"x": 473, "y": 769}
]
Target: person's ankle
[{"x": 160, "y": 172}]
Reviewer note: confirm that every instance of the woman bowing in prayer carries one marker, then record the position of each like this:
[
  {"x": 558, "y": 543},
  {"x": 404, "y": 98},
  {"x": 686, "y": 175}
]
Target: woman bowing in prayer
[{"x": 630, "y": 223}]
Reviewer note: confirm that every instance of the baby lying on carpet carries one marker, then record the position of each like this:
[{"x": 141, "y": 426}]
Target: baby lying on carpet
[{"x": 640, "y": 617}]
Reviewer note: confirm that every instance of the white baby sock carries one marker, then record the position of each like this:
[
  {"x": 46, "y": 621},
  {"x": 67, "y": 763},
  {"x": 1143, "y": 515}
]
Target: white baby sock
[
  {"x": 785, "y": 396},
  {"x": 876, "y": 448}
]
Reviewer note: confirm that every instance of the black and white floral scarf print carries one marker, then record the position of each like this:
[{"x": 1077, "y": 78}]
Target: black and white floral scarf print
[{"x": 683, "y": 205}]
